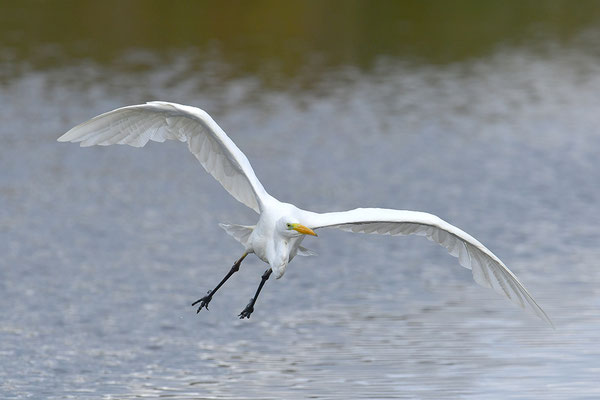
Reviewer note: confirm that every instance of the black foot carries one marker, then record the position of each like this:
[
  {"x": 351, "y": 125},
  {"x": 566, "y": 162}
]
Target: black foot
[
  {"x": 203, "y": 301},
  {"x": 247, "y": 311}
]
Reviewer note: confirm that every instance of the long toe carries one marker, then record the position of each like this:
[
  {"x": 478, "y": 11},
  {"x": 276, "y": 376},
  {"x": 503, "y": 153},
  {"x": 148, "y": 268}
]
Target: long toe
[
  {"x": 246, "y": 313},
  {"x": 203, "y": 303}
]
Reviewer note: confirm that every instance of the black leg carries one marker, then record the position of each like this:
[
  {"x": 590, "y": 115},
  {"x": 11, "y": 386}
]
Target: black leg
[
  {"x": 250, "y": 307},
  {"x": 206, "y": 299}
]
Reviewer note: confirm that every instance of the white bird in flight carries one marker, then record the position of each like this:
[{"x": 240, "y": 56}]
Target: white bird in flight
[{"x": 277, "y": 236}]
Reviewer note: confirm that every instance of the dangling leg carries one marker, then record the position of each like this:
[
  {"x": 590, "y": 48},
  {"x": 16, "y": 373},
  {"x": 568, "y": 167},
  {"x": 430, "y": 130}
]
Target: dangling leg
[
  {"x": 250, "y": 307},
  {"x": 206, "y": 299}
]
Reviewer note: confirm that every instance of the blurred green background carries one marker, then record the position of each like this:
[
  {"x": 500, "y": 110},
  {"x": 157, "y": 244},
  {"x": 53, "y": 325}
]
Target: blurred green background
[{"x": 280, "y": 39}]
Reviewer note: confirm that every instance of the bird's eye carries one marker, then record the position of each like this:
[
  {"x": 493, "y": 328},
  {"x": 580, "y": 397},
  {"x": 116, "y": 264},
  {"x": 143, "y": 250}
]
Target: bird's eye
[{"x": 289, "y": 226}]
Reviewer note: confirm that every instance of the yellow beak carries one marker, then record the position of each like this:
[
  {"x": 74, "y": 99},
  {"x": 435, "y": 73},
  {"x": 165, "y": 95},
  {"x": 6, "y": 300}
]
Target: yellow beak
[{"x": 304, "y": 230}]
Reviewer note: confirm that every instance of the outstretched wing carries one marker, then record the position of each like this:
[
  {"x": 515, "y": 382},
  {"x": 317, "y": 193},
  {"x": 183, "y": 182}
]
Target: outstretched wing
[
  {"x": 487, "y": 269},
  {"x": 159, "y": 121}
]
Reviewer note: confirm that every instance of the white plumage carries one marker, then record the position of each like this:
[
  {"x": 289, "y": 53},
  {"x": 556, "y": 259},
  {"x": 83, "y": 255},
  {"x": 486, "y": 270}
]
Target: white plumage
[
  {"x": 159, "y": 121},
  {"x": 281, "y": 227}
]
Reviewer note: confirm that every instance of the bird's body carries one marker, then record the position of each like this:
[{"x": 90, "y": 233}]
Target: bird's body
[
  {"x": 281, "y": 227},
  {"x": 268, "y": 242}
]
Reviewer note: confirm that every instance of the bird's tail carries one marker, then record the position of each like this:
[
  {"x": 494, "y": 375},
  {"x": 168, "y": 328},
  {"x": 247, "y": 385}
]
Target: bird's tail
[{"x": 241, "y": 233}]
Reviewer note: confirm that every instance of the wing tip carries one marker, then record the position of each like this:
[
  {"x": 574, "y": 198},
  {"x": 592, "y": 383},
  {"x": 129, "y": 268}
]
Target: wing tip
[
  {"x": 66, "y": 137},
  {"x": 533, "y": 307},
  {"x": 543, "y": 316}
]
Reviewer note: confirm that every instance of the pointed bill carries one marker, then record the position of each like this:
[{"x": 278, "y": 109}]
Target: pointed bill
[{"x": 304, "y": 230}]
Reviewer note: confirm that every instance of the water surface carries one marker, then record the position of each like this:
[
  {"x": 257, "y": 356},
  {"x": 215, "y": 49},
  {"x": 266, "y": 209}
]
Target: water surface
[{"x": 103, "y": 249}]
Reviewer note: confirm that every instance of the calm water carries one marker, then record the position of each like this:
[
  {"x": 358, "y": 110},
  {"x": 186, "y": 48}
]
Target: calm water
[{"x": 488, "y": 119}]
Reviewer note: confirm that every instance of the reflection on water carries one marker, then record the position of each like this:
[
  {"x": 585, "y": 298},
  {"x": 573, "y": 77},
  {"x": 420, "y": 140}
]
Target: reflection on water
[{"x": 103, "y": 249}]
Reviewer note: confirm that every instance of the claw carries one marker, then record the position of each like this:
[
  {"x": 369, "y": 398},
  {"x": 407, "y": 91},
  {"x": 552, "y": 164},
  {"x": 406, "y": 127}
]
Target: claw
[
  {"x": 203, "y": 301},
  {"x": 247, "y": 311}
]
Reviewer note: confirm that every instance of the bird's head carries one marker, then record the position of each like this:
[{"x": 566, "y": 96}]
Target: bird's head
[{"x": 291, "y": 228}]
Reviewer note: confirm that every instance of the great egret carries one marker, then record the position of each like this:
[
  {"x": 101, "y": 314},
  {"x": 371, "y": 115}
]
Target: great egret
[{"x": 277, "y": 236}]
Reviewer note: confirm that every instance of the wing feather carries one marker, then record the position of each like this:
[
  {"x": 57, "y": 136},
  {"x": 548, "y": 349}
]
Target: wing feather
[
  {"x": 488, "y": 270},
  {"x": 160, "y": 121}
]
